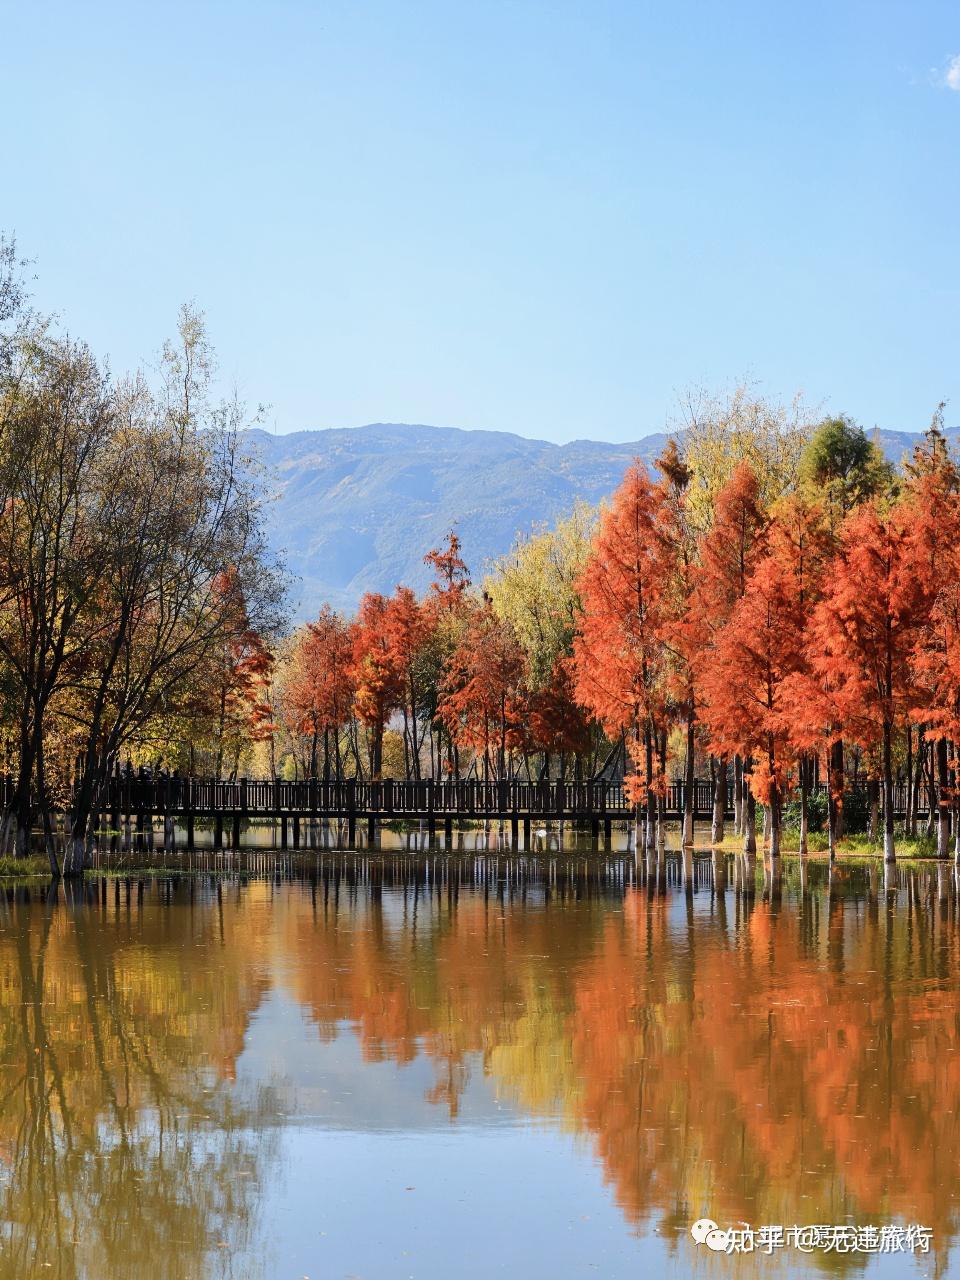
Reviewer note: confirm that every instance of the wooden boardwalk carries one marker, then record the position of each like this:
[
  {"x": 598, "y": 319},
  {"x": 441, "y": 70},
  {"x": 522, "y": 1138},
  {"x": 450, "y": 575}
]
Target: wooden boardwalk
[{"x": 593, "y": 806}]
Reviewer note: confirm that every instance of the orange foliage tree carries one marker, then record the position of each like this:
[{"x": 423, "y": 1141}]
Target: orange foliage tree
[
  {"x": 320, "y": 695},
  {"x": 376, "y": 672},
  {"x": 679, "y": 628},
  {"x": 409, "y": 626},
  {"x": 863, "y": 633},
  {"x": 483, "y": 698},
  {"x": 618, "y": 656},
  {"x": 727, "y": 552},
  {"x": 760, "y": 651}
]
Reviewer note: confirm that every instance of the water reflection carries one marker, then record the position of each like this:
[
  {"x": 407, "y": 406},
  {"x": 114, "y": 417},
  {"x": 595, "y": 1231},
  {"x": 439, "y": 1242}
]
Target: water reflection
[
  {"x": 766, "y": 1043},
  {"x": 122, "y": 1152}
]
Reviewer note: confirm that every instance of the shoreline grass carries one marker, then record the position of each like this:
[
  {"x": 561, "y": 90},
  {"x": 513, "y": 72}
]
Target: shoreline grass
[
  {"x": 853, "y": 846},
  {"x": 24, "y": 868}
]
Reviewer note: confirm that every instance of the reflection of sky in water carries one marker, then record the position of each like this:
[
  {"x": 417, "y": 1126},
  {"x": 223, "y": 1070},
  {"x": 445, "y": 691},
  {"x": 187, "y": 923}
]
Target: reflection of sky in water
[
  {"x": 328, "y": 1084},
  {"x": 376, "y": 1181}
]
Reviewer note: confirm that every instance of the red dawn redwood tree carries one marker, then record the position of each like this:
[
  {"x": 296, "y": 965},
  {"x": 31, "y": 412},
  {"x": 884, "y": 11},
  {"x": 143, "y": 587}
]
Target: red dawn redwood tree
[
  {"x": 932, "y": 499},
  {"x": 742, "y": 686},
  {"x": 617, "y": 651},
  {"x": 449, "y": 587},
  {"x": 557, "y": 721},
  {"x": 727, "y": 553},
  {"x": 484, "y": 690},
  {"x": 446, "y": 606},
  {"x": 799, "y": 543},
  {"x": 321, "y": 693},
  {"x": 863, "y": 634},
  {"x": 408, "y": 625},
  {"x": 680, "y": 629},
  {"x": 760, "y": 652},
  {"x": 377, "y": 675}
]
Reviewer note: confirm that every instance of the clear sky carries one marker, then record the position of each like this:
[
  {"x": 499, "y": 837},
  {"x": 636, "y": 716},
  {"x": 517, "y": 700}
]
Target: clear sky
[{"x": 548, "y": 218}]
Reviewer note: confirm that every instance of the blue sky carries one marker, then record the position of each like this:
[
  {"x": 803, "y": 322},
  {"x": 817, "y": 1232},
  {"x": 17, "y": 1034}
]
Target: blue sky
[{"x": 548, "y": 218}]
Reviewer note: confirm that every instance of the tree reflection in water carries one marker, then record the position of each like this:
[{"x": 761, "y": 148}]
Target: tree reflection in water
[
  {"x": 734, "y": 1040},
  {"x": 123, "y": 1150}
]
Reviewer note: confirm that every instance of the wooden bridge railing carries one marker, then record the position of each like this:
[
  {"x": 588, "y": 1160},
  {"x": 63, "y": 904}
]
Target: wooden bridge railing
[{"x": 133, "y": 793}]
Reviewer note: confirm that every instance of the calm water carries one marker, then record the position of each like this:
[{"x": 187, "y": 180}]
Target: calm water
[{"x": 431, "y": 1067}]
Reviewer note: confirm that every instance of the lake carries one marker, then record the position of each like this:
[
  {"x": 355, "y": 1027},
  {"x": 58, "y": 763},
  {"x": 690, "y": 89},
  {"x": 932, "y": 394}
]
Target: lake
[{"x": 416, "y": 1065}]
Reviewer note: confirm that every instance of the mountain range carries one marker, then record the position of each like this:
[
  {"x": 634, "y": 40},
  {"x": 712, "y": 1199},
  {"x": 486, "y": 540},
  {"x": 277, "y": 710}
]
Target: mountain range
[{"x": 356, "y": 509}]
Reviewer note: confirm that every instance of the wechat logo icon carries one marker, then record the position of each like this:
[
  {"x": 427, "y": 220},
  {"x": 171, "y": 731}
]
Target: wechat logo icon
[{"x": 705, "y": 1231}]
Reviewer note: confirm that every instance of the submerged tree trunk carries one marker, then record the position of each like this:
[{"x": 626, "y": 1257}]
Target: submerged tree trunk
[{"x": 737, "y": 795}]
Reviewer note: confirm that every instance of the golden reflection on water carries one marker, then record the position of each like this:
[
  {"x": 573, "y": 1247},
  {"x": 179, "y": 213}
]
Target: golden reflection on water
[{"x": 753, "y": 1047}]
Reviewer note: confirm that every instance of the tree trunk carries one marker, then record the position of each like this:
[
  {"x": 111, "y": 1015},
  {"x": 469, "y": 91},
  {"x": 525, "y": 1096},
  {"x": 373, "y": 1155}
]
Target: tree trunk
[
  {"x": 804, "y": 803},
  {"x": 737, "y": 795},
  {"x": 48, "y": 837},
  {"x": 836, "y": 783},
  {"x": 719, "y": 801},
  {"x": 873, "y": 794},
  {"x": 930, "y": 766},
  {"x": 689, "y": 782},
  {"x": 650, "y": 832},
  {"x": 943, "y": 801},
  {"x": 889, "y": 851},
  {"x": 75, "y": 854},
  {"x": 749, "y": 811}
]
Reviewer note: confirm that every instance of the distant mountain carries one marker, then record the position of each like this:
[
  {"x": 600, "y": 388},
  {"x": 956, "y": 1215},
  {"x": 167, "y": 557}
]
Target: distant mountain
[
  {"x": 357, "y": 509},
  {"x": 897, "y": 443}
]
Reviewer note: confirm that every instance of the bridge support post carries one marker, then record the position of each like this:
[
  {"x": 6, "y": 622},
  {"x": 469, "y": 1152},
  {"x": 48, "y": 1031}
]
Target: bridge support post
[
  {"x": 236, "y": 831},
  {"x": 448, "y": 831},
  {"x": 283, "y": 831},
  {"x": 371, "y": 829},
  {"x": 526, "y": 834},
  {"x": 218, "y": 831},
  {"x": 515, "y": 829},
  {"x": 595, "y": 828},
  {"x": 190, "y": 831},
  {"x": 168, "y": 839},
  {"x": 352, "y": 812},
  {"x": 431, "y": 816},
  {"x": 608, "y": 832},
  {"x": 296, "y": 831}
]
